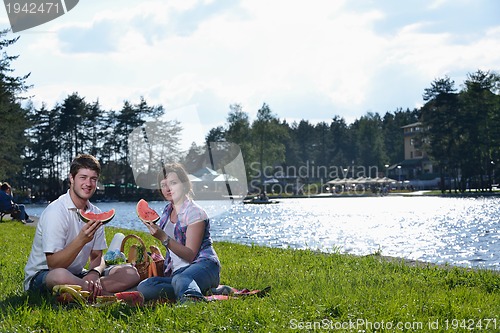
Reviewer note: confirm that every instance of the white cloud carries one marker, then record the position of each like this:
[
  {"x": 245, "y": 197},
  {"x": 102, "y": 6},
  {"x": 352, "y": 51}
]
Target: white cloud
[{"x": 307, "y": 60}]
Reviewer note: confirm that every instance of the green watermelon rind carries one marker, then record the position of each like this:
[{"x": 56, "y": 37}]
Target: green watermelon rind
[
  {"x": 143, "y": 204},
  {"x": 82, "y": 214}
]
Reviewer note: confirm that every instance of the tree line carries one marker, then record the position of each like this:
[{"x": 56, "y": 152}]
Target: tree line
[
  {"x": 462, "y": 130},
  {"x": 461, "y": 135}
]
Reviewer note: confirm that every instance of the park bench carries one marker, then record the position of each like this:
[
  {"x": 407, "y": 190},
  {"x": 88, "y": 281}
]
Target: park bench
[
  {"x": 2, "y": 214},
  {"x": 10, "y": 212}
]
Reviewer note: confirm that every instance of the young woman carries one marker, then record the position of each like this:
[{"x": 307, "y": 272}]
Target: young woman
[{"x": 191, "y": 263}]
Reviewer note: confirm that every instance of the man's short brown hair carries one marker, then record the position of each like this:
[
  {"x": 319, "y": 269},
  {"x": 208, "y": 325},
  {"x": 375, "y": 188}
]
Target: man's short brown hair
[{"x": 84, "y": 161}]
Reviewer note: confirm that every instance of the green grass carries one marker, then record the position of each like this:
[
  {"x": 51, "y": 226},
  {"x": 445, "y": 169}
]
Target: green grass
[{"x": 309, "y": 290}]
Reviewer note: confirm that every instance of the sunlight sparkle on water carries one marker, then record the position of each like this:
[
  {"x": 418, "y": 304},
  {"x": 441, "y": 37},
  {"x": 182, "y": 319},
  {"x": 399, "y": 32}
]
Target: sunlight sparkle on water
[{"x": 458, "y": 231}]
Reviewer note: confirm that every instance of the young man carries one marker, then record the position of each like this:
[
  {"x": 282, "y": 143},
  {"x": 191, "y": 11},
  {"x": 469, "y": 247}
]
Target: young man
[
  {"x": 63, "y": 244},
  {"x": 7, "y": 204}
]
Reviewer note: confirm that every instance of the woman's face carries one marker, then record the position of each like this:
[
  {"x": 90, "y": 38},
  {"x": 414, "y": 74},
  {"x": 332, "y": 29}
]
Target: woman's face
[{"x": 172, "y": 188}]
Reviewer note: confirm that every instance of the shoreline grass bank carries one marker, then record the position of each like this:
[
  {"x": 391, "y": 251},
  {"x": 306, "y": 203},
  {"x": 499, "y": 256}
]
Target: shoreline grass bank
[{"x": 310, "y": 291}]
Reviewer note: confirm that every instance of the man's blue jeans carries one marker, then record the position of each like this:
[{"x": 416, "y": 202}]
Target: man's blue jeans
[
  {"x": 190, "y": 281},
  {"x": 18, "y": 212}
]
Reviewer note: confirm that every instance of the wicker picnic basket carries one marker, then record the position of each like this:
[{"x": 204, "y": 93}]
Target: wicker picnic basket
[
  {"x": 158, "y": 269},
  {"x": 141, "y": 259}
]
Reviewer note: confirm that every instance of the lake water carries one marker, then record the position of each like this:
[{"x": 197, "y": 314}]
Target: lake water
[{"x": 458, "y": 231}]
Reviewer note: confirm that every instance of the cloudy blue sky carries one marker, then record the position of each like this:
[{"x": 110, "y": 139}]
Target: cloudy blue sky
[{"x": 306, "y": 59}]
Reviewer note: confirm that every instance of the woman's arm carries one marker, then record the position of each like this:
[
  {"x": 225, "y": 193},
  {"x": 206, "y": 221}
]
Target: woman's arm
[{"x": 194, "y": 236}]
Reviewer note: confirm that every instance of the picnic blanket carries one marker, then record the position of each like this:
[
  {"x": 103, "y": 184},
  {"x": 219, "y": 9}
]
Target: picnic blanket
[
  {"x": 74, "y": 294},
  {"x": 223, "y": 292}
]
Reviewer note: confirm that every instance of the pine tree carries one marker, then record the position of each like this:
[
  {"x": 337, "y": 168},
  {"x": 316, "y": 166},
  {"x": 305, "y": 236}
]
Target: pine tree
[{"x": 13, "y": 118}]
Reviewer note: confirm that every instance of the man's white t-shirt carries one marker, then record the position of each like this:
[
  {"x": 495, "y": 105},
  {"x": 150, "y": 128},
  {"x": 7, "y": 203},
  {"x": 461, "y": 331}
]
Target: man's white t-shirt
[{"x": 58, "y": 226}]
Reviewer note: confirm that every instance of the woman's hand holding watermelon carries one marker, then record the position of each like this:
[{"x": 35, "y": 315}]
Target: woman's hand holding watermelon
[
  {"x": 149, "y": 217},
  {"x": 156, "y": 231}
]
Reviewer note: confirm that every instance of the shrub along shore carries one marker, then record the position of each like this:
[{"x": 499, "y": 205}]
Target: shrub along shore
[{"x": 310, "y": 291}]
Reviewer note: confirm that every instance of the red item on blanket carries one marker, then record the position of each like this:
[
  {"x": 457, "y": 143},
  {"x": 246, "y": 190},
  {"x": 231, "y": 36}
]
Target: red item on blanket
[{"x": 133, "y": 298}]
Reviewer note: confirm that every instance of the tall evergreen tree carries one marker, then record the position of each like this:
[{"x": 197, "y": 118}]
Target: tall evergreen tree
[
  {"x": 13, "y": 118},
  {"x": 268, "y": 138},
  {"x": 370, "y": 150},
  {"x": 194, "y": 159},
  {"x": 129, "y": 118},
  {"x": 94, "y": 129},
  {"x": 341, "y": 151},
  {"x": 43, "y": 165},
  {"x": 238, "y": 131},
  {"x": 393, "y": 134},
  {"x": 292, "y": 148},
  {"x": 305, "y": 136},
  {"x": 323, "y": 143},
  {"x": 71, "y": 131},
  {"x": 441, "y": 125},
  {"x": 479, "y": 109}
]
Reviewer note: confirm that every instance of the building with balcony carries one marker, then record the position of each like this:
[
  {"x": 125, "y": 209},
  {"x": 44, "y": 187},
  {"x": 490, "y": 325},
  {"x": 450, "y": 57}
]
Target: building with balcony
[{"x": 416, "y": 168}]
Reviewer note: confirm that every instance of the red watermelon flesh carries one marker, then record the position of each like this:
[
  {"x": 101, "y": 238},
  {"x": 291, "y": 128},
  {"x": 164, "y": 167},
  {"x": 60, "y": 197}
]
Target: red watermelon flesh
[
  {"x": 145, "y": 213},
  {"x": 104, "y": 217}
]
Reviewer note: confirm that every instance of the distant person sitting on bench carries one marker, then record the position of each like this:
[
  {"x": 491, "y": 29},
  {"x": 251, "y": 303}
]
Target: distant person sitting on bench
[{"x": 7, "y": 204}]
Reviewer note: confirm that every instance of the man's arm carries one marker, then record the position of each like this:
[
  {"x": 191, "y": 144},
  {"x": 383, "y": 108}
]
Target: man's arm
[
  {"x": 64, "y": 258},
  {"x": 97, "y": 261}
]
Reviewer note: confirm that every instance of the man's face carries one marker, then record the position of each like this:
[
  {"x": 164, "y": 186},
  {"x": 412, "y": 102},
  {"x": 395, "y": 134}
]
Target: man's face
[{"x": 84, "y": 183}]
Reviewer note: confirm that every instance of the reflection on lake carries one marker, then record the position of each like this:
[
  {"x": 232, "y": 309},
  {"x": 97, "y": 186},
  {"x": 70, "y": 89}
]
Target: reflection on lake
[{"x": 460, "y": 231}]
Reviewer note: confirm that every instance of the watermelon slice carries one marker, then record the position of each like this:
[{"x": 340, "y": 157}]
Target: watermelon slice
[
  {"x": 104, "y": 217},
  {"x": 146, "y": 214}
]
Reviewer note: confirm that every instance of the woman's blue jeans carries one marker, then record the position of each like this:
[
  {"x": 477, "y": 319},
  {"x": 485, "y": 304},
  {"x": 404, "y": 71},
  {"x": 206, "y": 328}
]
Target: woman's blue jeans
[{"x": 190, "y": 281}]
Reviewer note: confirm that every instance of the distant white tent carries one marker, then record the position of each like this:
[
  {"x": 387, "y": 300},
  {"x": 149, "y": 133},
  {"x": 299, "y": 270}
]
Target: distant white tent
[
  {"x": 193, "y": 178},
  {"x": 340, "y": 181},
  {"x": 360, "y": 180},
  {"x": 225, "y": 177},
  {"x": 205, "y": 172},
  {"x": 336, "y": 181},
  {"x": 386, "y": 180}
]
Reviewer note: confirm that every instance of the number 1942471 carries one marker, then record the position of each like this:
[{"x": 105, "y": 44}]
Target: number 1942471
[
  {"x": 33, "y": 8},
  {"x": 471, "y": 324}
]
